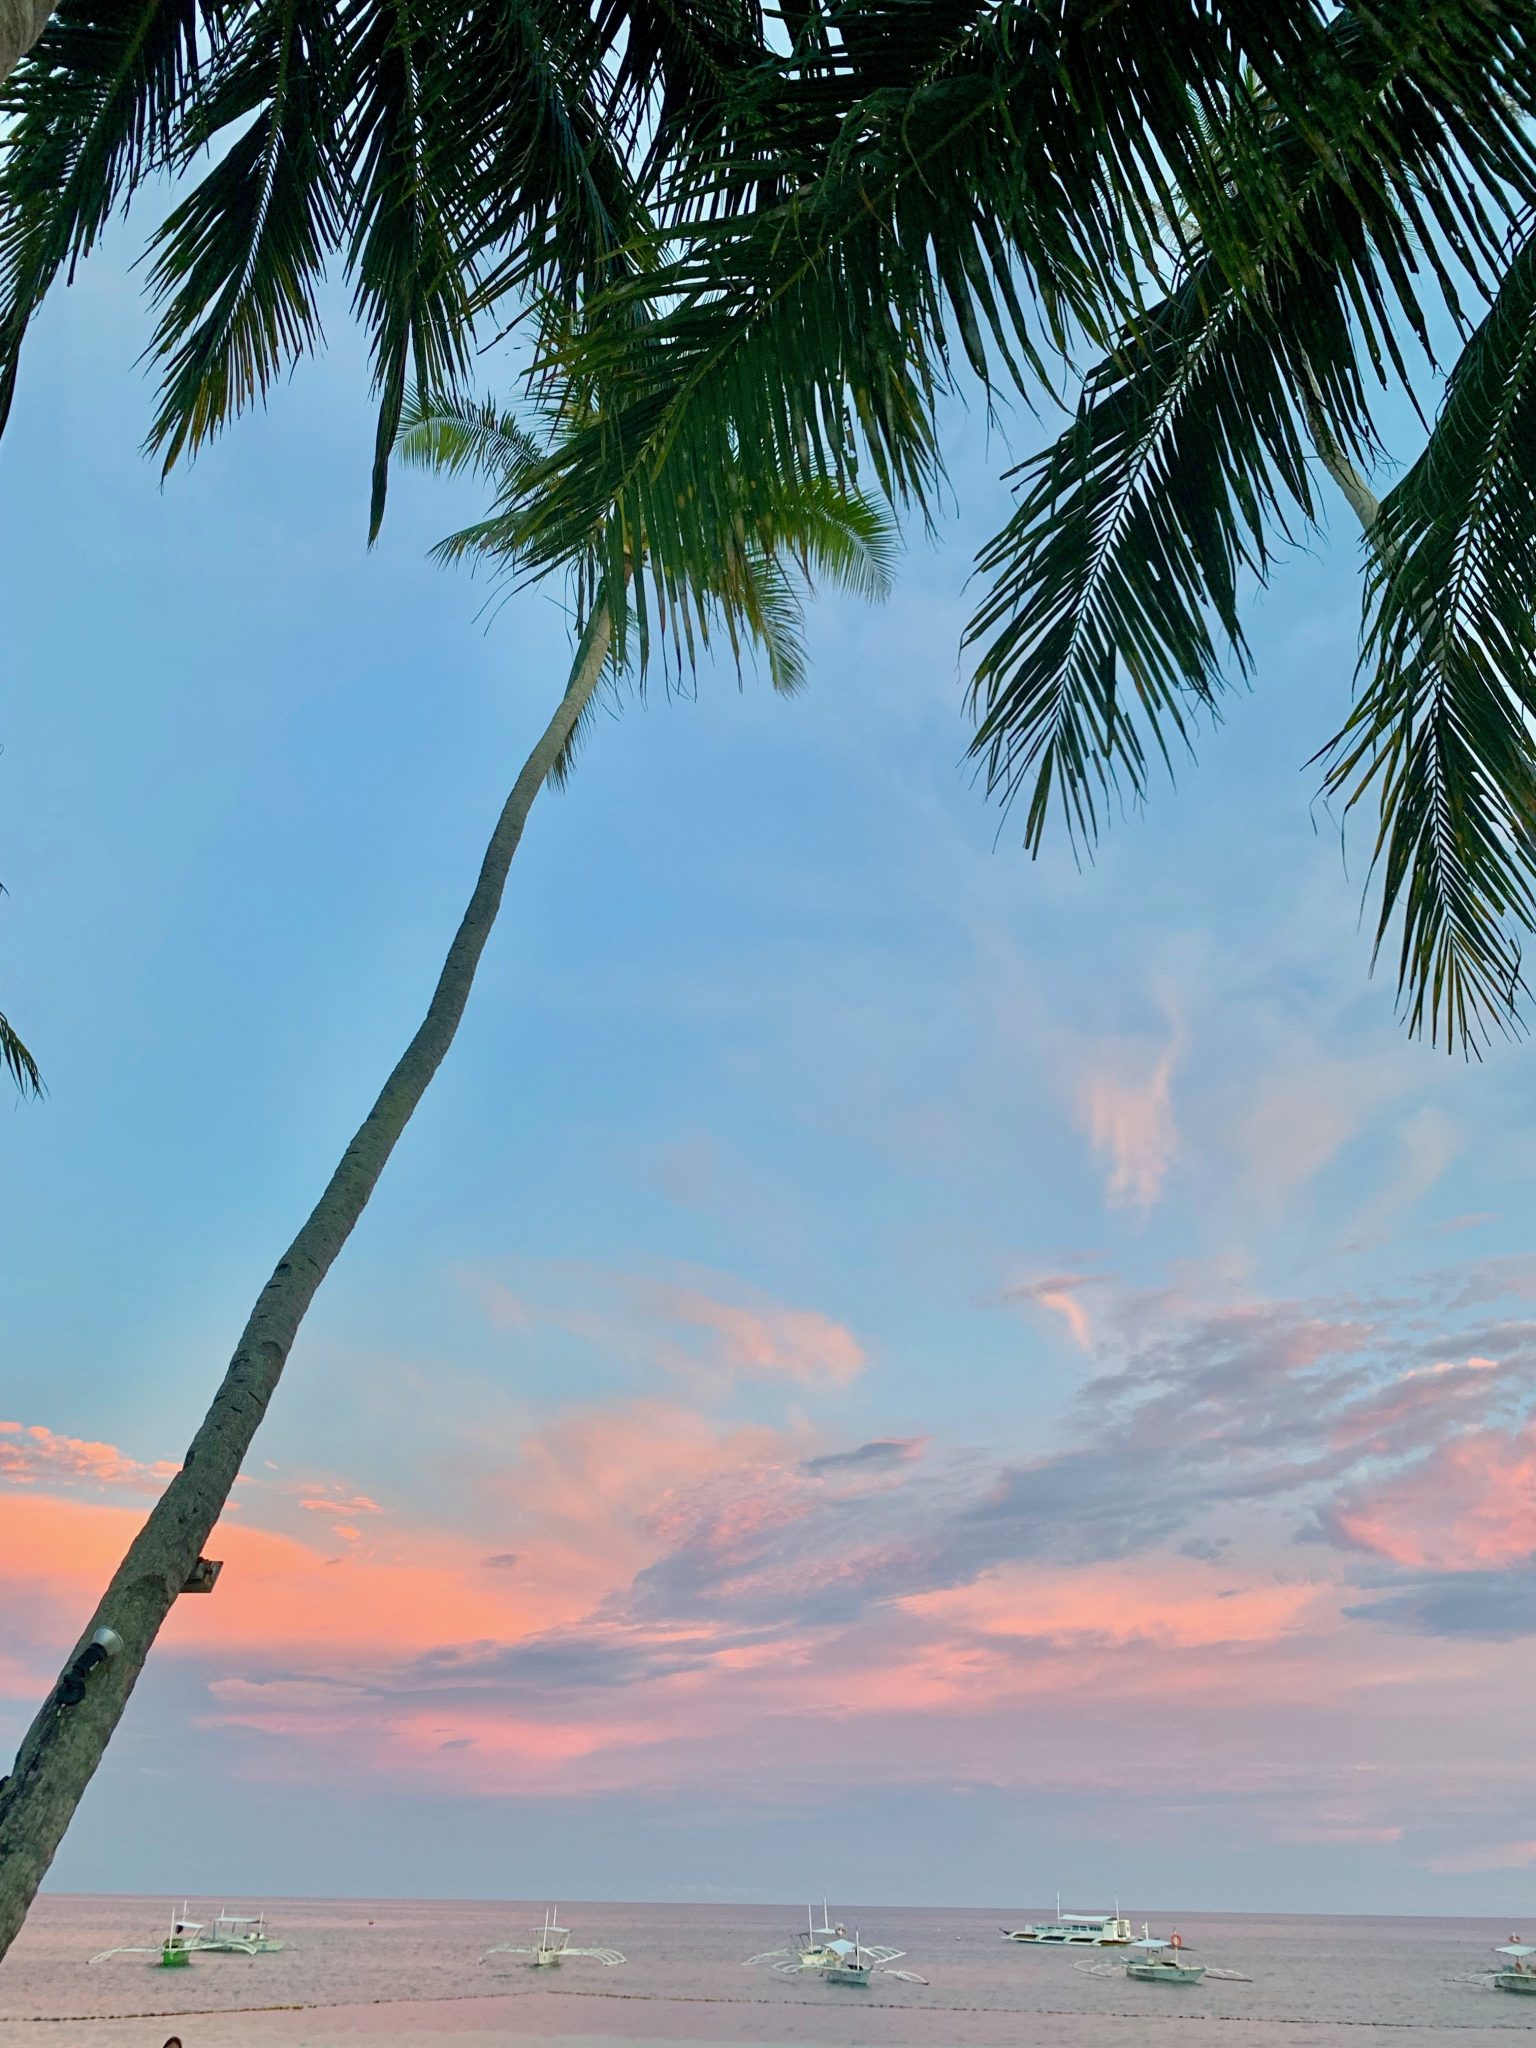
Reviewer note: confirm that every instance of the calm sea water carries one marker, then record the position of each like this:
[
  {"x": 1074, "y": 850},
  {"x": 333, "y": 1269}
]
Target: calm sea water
[{"x": 411, "y": 1972}]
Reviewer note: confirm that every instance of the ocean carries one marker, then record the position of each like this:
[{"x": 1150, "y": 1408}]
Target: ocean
[{"x": 409, "y": 1974}]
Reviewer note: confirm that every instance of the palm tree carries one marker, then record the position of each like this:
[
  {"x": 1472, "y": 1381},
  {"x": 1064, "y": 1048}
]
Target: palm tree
[
  {"x": 1114, "y": 588},
  {"x": 840, "y": 211},
  {"x": 1291, "y": 229},
  {"x": 784, "y": 250},
  {"x": 749, "y": 589},
  {"x": 447, "y": 155}
]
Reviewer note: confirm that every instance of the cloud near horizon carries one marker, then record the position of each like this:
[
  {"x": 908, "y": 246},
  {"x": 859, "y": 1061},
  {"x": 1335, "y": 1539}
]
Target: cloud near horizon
[{"x": 1251, "y": 1506}]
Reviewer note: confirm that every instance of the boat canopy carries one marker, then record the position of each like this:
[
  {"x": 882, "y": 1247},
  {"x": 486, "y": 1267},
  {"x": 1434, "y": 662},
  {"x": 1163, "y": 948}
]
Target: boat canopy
[{"x": 1516, "y": 1948}]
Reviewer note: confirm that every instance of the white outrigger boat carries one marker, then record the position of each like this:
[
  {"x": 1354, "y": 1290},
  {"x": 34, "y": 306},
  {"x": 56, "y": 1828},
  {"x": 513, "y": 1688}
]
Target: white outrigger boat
[
  {"x": 828, "y": 1952},
  {"x": 1154, "y": 1961},
  {"x": 1151, "y": 1960},
  {"x": 240, "y": 1934},
  {"x": 232, "y": 1934},
  {"x": 1519, "y": 1973},
  {"x": 1075, "y": 1930},
  {"x": 551, "y": 1946}
]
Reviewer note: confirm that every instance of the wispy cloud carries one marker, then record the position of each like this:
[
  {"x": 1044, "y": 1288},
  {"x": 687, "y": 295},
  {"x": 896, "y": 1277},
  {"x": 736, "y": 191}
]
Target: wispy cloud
[
  {"x": 703, "y": 1327},
  {"x": 1061, "y": 1294},
  {"x": 766, "y": 1338},
  {"x": 1125, "y": 1100},
  {"x": 1490, "y": 1856},
  {"x": 1305, "y": 1114}
]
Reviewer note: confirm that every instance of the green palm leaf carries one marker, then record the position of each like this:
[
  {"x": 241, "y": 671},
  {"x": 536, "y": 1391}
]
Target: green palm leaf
[
  {"x": 94, "y": 107},
  {"x": 1441, "y": 738},
  {"x": 1030, "y": 147},
  {"x": 18, "y": 1062},
  {"x": 776, "y": 539},
  {"x": 1112, "y": 621},
  {"x": 238, "y": 260}
]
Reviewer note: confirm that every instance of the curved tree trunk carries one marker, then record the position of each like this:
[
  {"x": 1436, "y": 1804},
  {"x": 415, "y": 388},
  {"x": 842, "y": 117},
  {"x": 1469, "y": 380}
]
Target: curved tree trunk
[
  {"x": 21, "y": 23},
  {"x": 66, "y": 1741}
]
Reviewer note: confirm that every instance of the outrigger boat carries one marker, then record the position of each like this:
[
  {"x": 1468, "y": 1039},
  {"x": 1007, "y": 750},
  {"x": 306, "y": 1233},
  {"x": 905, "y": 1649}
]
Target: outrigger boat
[
  {"x": 552, "y": 1946},
  {"x": 240, "y": 1934},
  {"x": 828, "y": 1952},
  {"x": 1519, "y": 1974},
  {"x": 1075, "y": 1930},
  {"x": 1162, "y": 1962},
  {"x": 812, "y": 1950},
  {"x": 233, "y": 1934},
  {"x": 1155, "y": 1961}
]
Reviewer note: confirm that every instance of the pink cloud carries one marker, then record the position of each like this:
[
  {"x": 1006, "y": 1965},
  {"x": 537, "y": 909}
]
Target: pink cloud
[
  {"x": 768, "y": 1339},
  {"x": 1125, "y": 1101},
  {"x": 30, "y": 1454},
  {"x": 636, "y": 1319},
  {"x": 1060, "y": 1294},
  {"x": 1176, "y": 1603},
  {"x": 1425, "y": 1394},
  {"x": 1471, "y": 1505}
]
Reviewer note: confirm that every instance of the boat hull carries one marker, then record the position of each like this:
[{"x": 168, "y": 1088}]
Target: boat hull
[
  {"x": 847, "y": 1973},
  {"x": 1515, "y": 1980},
  {"x": 1166, "y": 1973}
]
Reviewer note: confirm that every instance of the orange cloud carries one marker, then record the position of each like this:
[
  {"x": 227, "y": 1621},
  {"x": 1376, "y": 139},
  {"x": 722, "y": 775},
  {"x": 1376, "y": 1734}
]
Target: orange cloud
[
  {"x": 276, "y": 1593},
  {"x": 30, "y": 1453},
  {"x": 596, "y": 1494},
  {"x": 1181, "y": 1604}
]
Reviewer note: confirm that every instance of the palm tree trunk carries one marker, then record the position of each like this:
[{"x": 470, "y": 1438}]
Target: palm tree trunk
[
  {"x": 1362, "y": 500},
  {"x": 21, "y": 23},
  {"x": 66, "y": 1741}
]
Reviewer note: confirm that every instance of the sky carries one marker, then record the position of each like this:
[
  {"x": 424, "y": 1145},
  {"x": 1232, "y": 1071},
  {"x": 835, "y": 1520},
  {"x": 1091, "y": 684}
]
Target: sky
[{"x": 882, "y": 1368}]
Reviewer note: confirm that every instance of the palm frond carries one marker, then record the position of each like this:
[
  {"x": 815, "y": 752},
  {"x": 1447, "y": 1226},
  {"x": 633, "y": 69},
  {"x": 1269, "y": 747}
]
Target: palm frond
[
  {"x": 452, "y": 434},
  {"x": 1010, "y": 198},
  {"x": 772, "y": 611},
  {"x": 95, "y": 106},
  {"x": 1443, "y": 736},
  {"x": 237, "y": 263},
  {"x": 778, "y": 537},
  {"x": 1112, "y": 621},
  {"x": 840, "y": 537},
  {"x": 408, "y": 252},
  {"x": 18, "y": 1062}
]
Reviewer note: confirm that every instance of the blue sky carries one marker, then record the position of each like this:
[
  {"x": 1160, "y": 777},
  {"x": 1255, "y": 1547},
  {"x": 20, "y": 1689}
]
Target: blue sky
[{"x": 796, "y": 1112}]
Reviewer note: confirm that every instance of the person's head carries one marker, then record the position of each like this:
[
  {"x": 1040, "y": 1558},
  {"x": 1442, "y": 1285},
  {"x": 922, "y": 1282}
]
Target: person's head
[{"x": 174, "y": 2041}]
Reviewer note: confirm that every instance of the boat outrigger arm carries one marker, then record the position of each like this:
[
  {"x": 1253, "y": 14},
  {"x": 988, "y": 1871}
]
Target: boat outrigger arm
[
  {"x": 233, "y": 1934},
  {"x": 552, "y": 1945},
  {"x": 827, "y": 1949}
]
